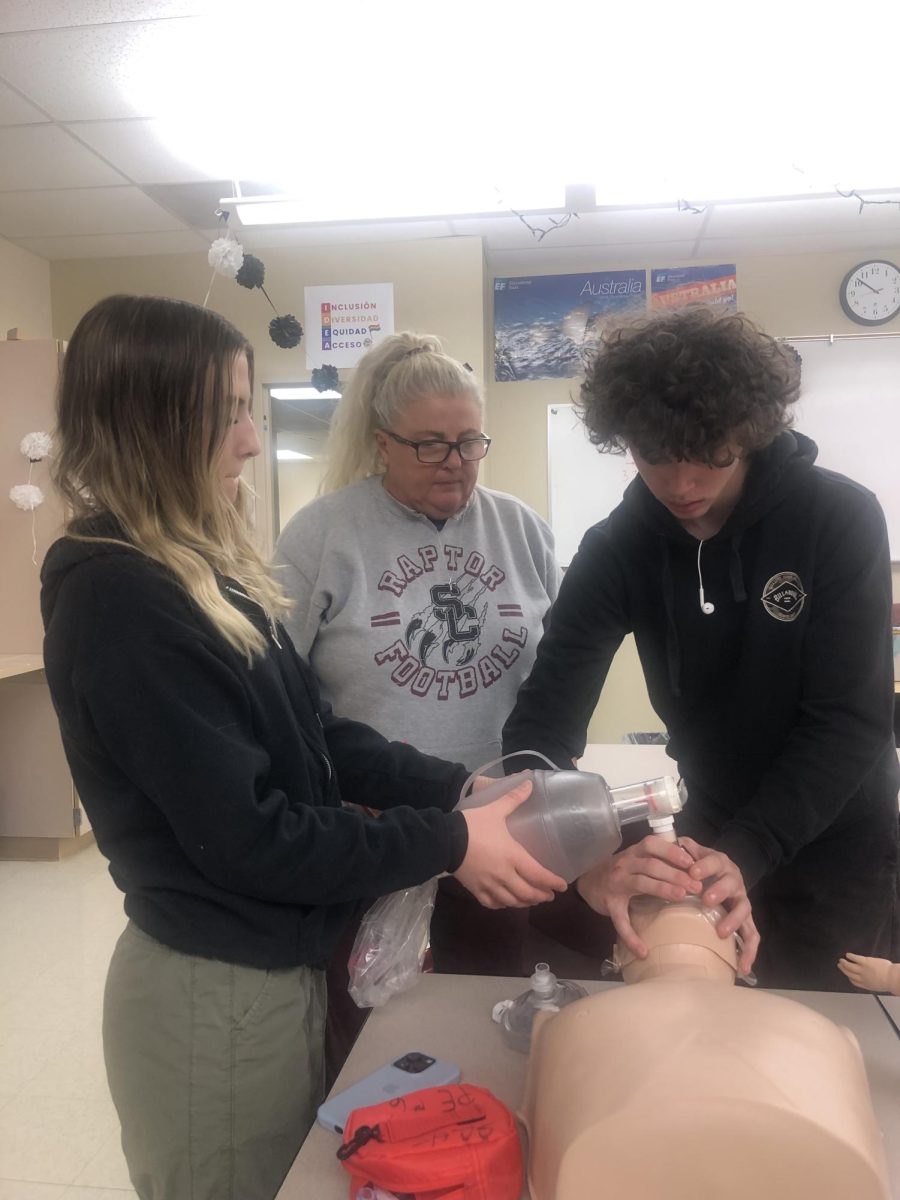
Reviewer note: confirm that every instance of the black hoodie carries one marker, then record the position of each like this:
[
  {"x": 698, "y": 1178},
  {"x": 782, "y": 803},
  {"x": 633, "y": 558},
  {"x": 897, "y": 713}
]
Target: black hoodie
[
  {"x": 212, "y": 785},
  {"x": 779, "y": 702}
]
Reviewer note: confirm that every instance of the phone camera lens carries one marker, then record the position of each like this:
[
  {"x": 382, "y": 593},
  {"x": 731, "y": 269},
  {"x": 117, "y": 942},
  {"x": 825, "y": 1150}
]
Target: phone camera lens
[{"x": 414, "y": 1062}]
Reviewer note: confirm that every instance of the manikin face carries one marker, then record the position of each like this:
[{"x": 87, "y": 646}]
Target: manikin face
[
  {"x": 436, "y": 489},
  {"x": 693, "y": 491},
  {"x": 241, "y": 441},
  {"x": 682, "y": 942}
]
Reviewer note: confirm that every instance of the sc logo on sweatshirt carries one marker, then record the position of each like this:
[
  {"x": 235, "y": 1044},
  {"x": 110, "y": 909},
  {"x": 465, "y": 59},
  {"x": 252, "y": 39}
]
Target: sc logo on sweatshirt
[{"x": 783, "y": 596}]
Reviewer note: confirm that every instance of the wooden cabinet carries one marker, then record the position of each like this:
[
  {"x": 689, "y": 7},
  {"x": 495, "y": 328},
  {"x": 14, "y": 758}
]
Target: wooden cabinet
[{"x": 40, "y": 816}]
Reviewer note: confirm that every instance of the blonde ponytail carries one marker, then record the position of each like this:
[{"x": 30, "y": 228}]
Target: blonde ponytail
[{"x": 400, "y": 369}]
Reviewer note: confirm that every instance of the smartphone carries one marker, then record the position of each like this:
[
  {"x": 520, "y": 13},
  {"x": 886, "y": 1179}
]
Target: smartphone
[{"x": 406, "y": 1074}]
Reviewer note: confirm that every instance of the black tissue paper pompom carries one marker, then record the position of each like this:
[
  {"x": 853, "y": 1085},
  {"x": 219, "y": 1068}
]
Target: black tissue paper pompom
[
  {"x": 285, "y": 331},
  {"x": 252, "y": 273},
  {"x": 325, "y": 379}
]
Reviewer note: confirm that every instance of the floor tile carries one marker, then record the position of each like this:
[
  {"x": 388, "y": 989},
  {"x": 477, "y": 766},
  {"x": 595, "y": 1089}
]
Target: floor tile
[
  {"x": 107, "y": 1169},
  {"x": 75, "y": 1071},
  {"x": 92, "y": 1193},
  {"x": 51, "y": 1140},
  {"x": 22, "y": 1056},
  {"x": 20, "y": 1189},
  {"x": 59, "y": 1133}
]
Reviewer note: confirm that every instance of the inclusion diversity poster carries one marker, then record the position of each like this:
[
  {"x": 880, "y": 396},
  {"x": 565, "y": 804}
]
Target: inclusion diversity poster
[
  {"x": 345, "y": 320},
  {"x": 674, "y": 287},
  {"x": 545, "y": 326}
]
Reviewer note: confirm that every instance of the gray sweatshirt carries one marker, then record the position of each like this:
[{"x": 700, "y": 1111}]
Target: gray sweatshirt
[{"x": 424, "y": 635}]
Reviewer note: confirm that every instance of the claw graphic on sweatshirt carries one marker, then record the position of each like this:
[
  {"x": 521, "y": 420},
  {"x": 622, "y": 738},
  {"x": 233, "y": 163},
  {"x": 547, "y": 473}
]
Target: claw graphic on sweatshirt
[{"x": 450, "y": 626}]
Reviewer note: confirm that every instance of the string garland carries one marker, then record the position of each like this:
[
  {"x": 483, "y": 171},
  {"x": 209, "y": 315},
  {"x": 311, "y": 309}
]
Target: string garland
[
  {"x": 28, "y": 496},
  {"x": 226, "y": 257}
]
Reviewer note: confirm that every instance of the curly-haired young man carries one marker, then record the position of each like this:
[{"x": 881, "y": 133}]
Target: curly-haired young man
[{"x": 758, "y": 588}]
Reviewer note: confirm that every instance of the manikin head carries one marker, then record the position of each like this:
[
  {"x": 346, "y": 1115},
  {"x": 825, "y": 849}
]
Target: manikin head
[
  {"x": 682, "y": 943},
  {"x": 686, "y": 1086}
]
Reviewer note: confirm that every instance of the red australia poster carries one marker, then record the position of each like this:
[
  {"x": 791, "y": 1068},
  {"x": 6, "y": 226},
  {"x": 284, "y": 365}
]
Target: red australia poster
[{"x": 674, "y": 287}]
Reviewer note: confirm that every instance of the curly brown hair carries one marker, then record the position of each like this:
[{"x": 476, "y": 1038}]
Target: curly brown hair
[{"x": 687, "y": 385}]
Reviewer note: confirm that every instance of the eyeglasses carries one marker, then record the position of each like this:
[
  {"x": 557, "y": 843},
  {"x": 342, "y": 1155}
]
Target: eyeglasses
[{"x": 433, "y": 451}]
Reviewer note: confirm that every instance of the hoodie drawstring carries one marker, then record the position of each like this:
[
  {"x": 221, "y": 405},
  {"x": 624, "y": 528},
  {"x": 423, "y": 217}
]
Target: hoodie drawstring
[
  {"x": 738, "y": 591},
  {"x": 736, "y": 571},
  {"x": 673, "y": 648}
]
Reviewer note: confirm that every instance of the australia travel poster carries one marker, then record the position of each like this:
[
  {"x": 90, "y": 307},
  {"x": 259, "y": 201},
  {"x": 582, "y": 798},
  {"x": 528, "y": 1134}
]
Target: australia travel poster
[
  {"x": 546, "y": 326},
  {"x": 675, "y": 287}
]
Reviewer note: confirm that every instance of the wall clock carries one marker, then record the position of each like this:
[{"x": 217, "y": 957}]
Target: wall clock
[{"x": 870, "y": 292}]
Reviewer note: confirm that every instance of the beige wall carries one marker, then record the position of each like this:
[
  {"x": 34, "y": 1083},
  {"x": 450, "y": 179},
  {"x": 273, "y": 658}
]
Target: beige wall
[
  {"x": 443, "y": 286},
  {"x": 28, "y": 376},
  {"x": 438, "y": 288},
  {"x": 24, "y": 292},
  {"x": 787, "y": 295},
  {"x": 298, "y": 483}
]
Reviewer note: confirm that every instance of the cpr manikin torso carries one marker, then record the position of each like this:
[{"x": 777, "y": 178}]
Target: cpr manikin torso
[{"x": 683, "y": 1086}]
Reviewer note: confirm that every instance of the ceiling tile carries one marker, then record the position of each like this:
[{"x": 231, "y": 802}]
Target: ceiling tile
[
  {"x": 83, "y": 74},
  {"x": 113, "y": 245},
  {"x": 16, "y": 111},
  {"x": 136, "y": 148},
  {"x": 20, "y": 15},
  {"x": 44, "y": 156},
  {"x": 81, "y": 210},
  {"x": 261, "y": 236},
  {"x": 193, "y": 203},
  {"x": 196, "y": 203},
  {"x": 781, "y": 218}
]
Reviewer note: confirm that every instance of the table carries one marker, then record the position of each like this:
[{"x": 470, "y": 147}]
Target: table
[
  {"x": 891, "y": 1006},
  {"x": 450, "y": 1016},
  {"x": 19, "y": 664},
  {"x": 40, "y": 812}
]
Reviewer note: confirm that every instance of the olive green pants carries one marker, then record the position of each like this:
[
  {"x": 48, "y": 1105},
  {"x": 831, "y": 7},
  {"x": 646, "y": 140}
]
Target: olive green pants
[{"x": 215, "y": 1069}]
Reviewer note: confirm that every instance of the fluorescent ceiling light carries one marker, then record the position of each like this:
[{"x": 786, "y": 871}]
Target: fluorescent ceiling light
[
  {"x": 652, "y": 106},
  {"x": 291, "y": 455},
  {"x": 302, "y": 393},
  {"x": 425, "y": 199}
]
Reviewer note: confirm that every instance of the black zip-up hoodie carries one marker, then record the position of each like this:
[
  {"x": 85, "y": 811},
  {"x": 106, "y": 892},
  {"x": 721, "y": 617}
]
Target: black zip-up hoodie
[
  {"x": 211, "y": 785},
  {"x": 779, "y": 702}
]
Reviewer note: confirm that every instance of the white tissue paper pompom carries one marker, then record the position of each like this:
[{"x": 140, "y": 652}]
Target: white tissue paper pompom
[
  {"x": 36, "y": 446},
  {"x": 26, "y": 496},
  {"x": 226, "y": 256}
]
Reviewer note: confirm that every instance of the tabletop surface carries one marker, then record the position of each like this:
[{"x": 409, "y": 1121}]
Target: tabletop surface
[
  {"x": 449, "y": 1016},
  {"x": 19, "y": 664},
  {"x": 891, "y": 1005}
]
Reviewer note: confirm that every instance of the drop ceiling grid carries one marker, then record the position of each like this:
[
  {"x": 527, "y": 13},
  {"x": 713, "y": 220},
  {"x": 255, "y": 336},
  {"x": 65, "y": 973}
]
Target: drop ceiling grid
[{"x": 83, "y": 168}]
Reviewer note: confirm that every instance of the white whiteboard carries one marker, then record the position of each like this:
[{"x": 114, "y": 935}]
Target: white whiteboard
[
  {"x": 584, "y": 485},
  {"x": 849, "y": 405}
]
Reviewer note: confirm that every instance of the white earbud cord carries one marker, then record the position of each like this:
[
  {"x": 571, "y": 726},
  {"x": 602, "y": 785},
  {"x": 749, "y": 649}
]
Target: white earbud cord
[{"x": 705, "y": 606}]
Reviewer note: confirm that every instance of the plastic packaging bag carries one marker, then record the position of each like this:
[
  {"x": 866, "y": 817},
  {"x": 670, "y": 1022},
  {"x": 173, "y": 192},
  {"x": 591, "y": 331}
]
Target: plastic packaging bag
[{"x": 389, "y": 949}]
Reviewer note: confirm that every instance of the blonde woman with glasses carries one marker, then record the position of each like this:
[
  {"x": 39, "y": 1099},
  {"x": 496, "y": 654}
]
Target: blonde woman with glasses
[
  {"x": 419, "y": 595},
  {"x": 212, "y": 771}
]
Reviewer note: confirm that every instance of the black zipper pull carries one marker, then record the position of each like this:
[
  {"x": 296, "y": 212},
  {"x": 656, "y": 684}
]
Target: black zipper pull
[
  {"x": 325, "y": 755},
  {"x": 274, "y": 633},
  {"x": 364, "y": 1134},
  {"x": 243, "y": 595}
]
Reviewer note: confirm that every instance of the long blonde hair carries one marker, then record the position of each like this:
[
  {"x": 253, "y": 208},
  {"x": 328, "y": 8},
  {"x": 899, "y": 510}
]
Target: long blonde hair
[
  {"x": 399, "y": 370},
  {"x": 145, "y": 401}
]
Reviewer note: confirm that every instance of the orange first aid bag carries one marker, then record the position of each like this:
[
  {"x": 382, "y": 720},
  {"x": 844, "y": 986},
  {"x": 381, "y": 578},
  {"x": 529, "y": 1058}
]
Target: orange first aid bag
[{"x": 442, "y": 1143}]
